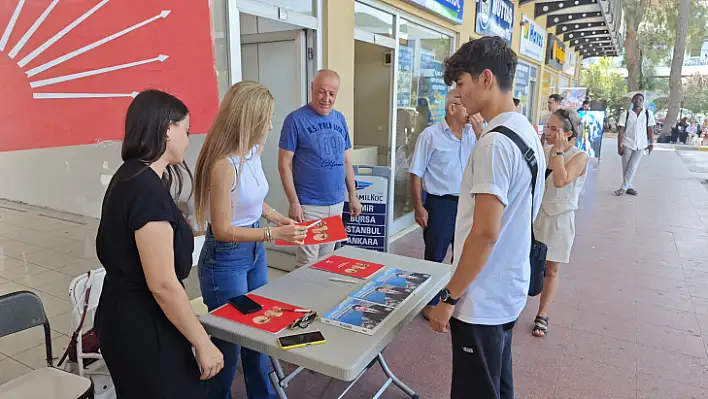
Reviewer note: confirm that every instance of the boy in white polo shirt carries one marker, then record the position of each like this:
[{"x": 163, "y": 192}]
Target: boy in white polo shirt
[{"x": 496, "y": 209}]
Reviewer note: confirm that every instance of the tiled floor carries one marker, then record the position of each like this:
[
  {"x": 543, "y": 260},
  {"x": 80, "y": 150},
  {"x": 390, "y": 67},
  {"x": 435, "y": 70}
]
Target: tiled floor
[{"x": 630, "y": 319}]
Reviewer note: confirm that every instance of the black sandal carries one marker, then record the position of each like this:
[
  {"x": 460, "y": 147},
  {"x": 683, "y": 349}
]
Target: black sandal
[{"x": 540, "y": 327}]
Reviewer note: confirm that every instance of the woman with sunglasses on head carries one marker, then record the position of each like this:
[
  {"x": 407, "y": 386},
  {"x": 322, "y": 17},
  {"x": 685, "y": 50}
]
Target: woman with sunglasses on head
[
  {"x": 555, "y": 223},
  {"x": 144, "y": 321},
  {"x": 229, "y": 194}
]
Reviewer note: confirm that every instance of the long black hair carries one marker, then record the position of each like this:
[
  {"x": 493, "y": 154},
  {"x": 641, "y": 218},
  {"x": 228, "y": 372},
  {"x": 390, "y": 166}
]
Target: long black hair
[{"x": 149, "y": 116}]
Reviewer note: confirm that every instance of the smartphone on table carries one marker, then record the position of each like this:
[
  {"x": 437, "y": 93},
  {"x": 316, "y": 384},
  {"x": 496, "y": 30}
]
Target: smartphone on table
[
  {"x": 244, "y": 304},
  {"x": 301, "y": 340}
]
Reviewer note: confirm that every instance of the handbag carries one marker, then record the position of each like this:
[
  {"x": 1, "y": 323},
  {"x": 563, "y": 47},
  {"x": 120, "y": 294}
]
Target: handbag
[
  {"x": 89, "y": 340},
  {"x": 539, "y": 250}
]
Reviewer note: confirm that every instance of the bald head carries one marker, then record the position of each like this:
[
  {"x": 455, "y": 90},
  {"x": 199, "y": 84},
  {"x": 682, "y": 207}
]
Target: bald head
[
  {"x": 455, "y": 112},
  {"x": 324, "y": 88},
  {"x": 453, "y": 96}
]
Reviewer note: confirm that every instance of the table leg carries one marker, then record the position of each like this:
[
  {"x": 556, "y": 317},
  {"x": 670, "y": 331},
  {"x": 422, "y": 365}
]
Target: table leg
[
  {"x": 405, "y": 388},
  {"x": 276, "y": 378}
]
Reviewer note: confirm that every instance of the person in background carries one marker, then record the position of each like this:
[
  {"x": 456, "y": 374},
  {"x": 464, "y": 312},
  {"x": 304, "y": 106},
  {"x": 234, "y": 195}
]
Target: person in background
[
  {"x": 144, "y": 321},
  {"x": 436, "y": 168},
  {"x": 690, "y": 131},
  {"x": 230, "y": 189},
  {"x": 585, "y": 106},
  {"x": 315, "y": 162},
  {"x": 489, "y": 286},
  {"x": 636, "y": 135},
  {"x": 704, "y": 131},
  {"x": 554, "y": 103},
  {"x": 555, "y": 224},
  {"x": 678, "y": 130}
]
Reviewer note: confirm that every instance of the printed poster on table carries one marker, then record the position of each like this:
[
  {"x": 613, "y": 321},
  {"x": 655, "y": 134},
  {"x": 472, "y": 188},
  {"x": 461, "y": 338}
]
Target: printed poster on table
[
  {"x": 348, "y": 267},
  {"x": 495, "y": 18},
  {"x": 368, "y": 230},
  {"x": 590, "y": 140},
  {"x": 431, "y": 86},
  {"x": 273, "y": 317},
  {"x": 325, "y": 230},
  {"x": 533, "y": 37}
]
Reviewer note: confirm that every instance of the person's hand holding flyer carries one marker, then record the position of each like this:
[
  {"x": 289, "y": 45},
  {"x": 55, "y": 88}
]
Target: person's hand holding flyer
[{"x": 321, "y": 231}]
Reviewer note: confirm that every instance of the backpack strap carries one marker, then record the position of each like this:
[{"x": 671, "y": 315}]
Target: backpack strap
[{"x": 530, "y": 158}]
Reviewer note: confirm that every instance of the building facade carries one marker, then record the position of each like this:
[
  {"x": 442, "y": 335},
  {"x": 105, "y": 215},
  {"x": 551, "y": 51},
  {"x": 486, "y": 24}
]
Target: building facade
[{"x": 73, "y": 68}]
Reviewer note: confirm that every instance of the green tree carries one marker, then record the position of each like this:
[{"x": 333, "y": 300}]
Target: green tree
[
  {"x": 634, "y": 12},
  {"x": 605, "y": 83},
  {"x": 695, "y": 93}
]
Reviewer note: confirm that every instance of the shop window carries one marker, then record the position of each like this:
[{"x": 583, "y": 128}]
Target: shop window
[
  {"x": 306, "y": 7},
  {"x": 219, "y": 15},
  {"x": 420, "y": 101},
  {"x": 373, "y": 20}
]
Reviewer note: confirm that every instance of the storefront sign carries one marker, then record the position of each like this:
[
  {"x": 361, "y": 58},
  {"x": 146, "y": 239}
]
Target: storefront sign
[
  {"x": 590, "y": 140},
  {"x": 405, "y": 77},
  {"x": 522, "y": 85},
  {"x": 571, "y": 59},
  {"x": 68, "y": 81},
  {"x": 533, "y": 37},
  {"x": 555, "y": 53},
  {"x": 369, "y": 229},
  {"x": 431, "y": 86},
  {"x": 495, "y": 18},
  {"x": 450, "y": 9}
]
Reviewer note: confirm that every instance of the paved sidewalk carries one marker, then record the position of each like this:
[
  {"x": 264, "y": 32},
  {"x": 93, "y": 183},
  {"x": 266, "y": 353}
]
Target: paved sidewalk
[{"x": 631, "y": 316}]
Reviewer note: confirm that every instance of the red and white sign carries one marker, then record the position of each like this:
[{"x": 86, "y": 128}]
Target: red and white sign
[{"x": 69, "y": 69}]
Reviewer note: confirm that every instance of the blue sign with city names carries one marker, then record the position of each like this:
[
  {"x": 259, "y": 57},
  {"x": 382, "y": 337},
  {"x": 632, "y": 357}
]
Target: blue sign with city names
[
  {"x": 368, "y": 230},
  {"x": 495, "y": 18}
]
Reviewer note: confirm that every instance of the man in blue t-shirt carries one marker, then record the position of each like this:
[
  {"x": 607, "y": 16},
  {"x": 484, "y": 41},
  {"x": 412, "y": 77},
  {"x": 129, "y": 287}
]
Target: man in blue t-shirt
[{"x": 315, "y": 162}]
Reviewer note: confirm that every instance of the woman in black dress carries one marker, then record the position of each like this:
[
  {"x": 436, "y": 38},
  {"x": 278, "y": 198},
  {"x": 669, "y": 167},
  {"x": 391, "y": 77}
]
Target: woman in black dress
[{"x": 144, "y": 322}]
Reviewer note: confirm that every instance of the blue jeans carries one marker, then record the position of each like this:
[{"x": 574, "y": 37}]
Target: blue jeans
[
  {"x": 440, "y": 234},
  {"x": 226, "y": 270}
]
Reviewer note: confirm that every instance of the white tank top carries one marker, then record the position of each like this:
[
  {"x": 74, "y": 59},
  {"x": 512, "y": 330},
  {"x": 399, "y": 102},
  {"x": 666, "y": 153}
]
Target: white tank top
[
  {"x": 248, "y": 195},
  {"x": 559, "y": 200}
]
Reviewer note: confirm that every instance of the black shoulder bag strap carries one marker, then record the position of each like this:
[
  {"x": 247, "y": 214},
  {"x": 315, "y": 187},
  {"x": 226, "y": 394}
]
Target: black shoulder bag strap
[{"x": 538, "y": 249}]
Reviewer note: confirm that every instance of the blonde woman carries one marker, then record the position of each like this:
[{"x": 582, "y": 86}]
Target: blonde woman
[
  {"x": 555, "y": 224},
  {"x": 230, "y": 189}
]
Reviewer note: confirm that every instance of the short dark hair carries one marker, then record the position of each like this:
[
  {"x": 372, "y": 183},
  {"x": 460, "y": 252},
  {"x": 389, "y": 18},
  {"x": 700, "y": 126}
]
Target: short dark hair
[
  {"x": 149, "y": 116},
  {"x": 556, "y": 97},
  {"x": 517, "y": 101},
  {"x": 586, "y": 102},
  {"x": 638, "y": 95},
  {"x": 489, "y": 52}
]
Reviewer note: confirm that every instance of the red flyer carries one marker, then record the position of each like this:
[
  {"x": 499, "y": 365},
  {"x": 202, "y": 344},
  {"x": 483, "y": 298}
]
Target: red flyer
[
  {"x": 321, "y": 231},
  {"x": 273, "y": 317},
  {"x": 348, "y": 267}
]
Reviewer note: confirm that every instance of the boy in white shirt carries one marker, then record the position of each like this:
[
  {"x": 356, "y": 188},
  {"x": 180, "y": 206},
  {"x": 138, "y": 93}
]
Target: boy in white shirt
[{"x": 496, "y": 209}]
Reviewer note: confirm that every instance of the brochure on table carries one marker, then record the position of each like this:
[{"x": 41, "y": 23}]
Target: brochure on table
[
  {"x": 273, "y": 317},
  {"x": 367, "y": 308},
  {"x": 348, "y": 267},
  {"x": 321, "y": 231}
]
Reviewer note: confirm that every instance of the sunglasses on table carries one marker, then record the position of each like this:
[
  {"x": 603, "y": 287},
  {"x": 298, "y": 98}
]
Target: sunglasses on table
[{"x": 304, "y": 321}]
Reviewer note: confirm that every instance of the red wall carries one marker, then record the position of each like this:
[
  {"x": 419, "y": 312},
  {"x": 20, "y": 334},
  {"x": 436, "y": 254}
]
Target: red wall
[{"x": 184, "y": 36}]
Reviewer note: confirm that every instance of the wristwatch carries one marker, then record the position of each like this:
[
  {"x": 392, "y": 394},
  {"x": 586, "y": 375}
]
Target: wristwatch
[
  {"x": 446, "y": 297},
  {"x": 558, "y": 154}
]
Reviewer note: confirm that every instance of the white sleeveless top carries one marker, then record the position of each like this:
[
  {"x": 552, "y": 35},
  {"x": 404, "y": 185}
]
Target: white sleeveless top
[
  {"x": 248, "y": 190},
  {"x": 560, "y": 200}
]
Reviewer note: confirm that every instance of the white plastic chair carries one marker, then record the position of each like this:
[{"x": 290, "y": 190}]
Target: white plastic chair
[{"x": 77, "y": 294}]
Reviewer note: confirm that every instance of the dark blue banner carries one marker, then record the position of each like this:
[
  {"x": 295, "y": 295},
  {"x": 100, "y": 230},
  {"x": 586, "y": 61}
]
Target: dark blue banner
[{"x": 495, "y": 18}]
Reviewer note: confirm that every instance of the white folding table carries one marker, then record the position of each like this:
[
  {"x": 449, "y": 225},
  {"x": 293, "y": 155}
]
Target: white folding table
[{"x": 347, "y": 355}]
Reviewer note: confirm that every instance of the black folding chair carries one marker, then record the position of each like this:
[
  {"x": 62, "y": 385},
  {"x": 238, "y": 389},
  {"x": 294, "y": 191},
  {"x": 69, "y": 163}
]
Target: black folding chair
[{"x": 20, "y": 311}]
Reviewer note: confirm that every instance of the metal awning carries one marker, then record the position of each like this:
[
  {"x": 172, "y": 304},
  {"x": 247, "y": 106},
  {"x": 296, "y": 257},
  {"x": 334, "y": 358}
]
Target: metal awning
[{"x": 590, "y": 27}]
